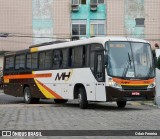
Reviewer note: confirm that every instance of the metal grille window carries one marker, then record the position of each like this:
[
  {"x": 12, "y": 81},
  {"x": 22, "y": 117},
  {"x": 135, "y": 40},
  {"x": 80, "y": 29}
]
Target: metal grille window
[
  {"x": 78, "y": 29},
  {"x": 97, "y": 29},
  {"x": 140, "y": 21},
  {"x": 97, "y": 1}
]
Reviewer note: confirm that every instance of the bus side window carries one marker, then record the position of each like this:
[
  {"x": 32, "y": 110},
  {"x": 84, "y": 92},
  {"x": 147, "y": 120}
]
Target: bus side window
[
  {"x": 64, "y": 58},
  {"x": 57, "y": 58},
  {"x": 9, "y": 63},
  {"x": 78, "y": 56},
  {"x": 92, "y": 62},
  {"x": 71, "y": 57},
  {"x": 42, "y": 60},
  {"x": 20, "y": 62},
  {"x": 34, "y": 61},
  {"x": 28, "y": 65},
  {"x": 48, "y": 60}
]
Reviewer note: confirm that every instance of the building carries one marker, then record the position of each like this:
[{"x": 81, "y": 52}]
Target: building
[{"x": 27, "y": 22}]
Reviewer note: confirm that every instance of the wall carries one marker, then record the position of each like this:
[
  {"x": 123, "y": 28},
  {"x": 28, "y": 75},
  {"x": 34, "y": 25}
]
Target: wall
[
  {"x": 15, "y": 18},
  {"x": 115, "y": 17},
  {"x": 134, "y": 9},
  {"x": 152, "y": 22}
]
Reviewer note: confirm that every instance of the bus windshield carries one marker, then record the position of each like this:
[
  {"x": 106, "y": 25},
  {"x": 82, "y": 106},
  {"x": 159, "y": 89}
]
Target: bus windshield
[{"x": 130, "y": 60}]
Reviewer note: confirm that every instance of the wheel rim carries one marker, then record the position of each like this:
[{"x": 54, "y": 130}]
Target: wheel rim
[
  {"x": 27, "y": 97},
  {"x": 79, "y": 98}
]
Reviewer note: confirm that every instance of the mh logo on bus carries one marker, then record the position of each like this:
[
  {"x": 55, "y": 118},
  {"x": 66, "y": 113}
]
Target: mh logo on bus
[{"x": 63, "y": 76}]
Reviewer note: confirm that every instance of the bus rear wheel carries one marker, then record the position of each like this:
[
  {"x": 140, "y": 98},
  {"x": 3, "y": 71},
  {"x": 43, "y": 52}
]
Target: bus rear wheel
[
  {"x": 27, "y": 95},
  {"x": 58, "y": 101},
  {"x": 82, "y": 98},
  {"x": 121, "y": 104}
]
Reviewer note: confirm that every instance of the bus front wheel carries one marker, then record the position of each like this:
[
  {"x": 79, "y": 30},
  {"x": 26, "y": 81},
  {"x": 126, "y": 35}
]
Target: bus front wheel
[
  {"x": 121, "y": 104},
  {"x": 27, "y": 95},
  {"x": 82, "y": 98}
]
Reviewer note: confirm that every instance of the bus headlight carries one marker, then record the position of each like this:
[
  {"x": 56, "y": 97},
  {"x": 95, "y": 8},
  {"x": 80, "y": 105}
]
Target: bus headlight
[
  {"x": 152, "y": 85},
  {"x": 114, "y": 84}
]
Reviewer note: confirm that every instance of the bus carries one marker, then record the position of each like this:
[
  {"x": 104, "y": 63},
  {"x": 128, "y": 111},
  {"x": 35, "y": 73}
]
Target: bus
[{"x": 98, "y": 69}]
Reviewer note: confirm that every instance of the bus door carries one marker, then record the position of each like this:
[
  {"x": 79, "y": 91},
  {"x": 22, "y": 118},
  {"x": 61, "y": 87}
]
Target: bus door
[
  {"x": 99, "y": 73},
  {"x": 158, "y": 77}
]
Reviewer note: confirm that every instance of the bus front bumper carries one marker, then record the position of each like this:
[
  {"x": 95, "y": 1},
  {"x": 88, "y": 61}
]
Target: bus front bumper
[{"x": 114, "y": 94}]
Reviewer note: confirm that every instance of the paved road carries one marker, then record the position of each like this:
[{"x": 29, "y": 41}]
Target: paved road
[{"x": 14, "y": 114}]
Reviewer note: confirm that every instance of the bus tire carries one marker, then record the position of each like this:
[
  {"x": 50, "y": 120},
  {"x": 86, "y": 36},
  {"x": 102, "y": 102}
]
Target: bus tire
[
  {"x": 82, "y": 98},
  {"x": 58, "y": 101},
  {"x": 121, "y": 104},
  {"x": 27, "y": 95}
]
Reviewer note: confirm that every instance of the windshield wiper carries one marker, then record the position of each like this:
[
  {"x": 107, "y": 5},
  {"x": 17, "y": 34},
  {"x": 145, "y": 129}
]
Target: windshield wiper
[{"x": 127, "y": 66}]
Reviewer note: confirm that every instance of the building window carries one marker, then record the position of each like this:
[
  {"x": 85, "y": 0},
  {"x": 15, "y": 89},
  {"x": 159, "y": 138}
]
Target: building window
[
  {"x": 78, "y": 29},
  {"x": 140, "y": 21},
  {"x": 77, "y": 2},
  {"x": 97, "y": 29},
  {"x": 97, "y": 1}
]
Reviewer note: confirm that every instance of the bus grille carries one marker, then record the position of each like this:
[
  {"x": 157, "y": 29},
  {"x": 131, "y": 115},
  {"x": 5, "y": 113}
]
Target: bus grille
[{"x": 134, "y": 87}]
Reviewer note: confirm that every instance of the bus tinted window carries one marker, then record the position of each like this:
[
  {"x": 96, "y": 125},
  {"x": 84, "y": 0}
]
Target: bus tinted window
[
  {"x": 71, "y": 57},
  {"x": 48, "y": 60},
  {"x": 57, "y": 58},
  {"x": 34, "y": 60},
  {"x": 28, "y": 65},
  {"x": 9, "y": 63},
  {"x": 20, "y": 62},
  {"x": 42, "y": 60},
  {"x": 78, "y": 59},
  {"x": 64, "y": 58}
]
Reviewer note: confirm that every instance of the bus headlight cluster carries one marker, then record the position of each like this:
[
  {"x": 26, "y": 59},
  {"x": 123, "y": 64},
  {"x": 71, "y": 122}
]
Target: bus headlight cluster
[
  {"x": 152, "y": 85},
  {"x": 114, "y": 84}
]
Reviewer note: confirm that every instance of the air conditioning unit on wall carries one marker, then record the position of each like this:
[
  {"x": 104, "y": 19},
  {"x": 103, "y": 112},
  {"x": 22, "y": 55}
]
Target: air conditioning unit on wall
[
  {"x": 93, "y": 6},
  {"x": 75, "y": 7}
]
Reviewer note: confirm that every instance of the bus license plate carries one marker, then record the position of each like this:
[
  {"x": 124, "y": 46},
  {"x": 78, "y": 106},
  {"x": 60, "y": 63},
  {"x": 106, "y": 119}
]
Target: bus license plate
[{"x": 135, "y": 93}]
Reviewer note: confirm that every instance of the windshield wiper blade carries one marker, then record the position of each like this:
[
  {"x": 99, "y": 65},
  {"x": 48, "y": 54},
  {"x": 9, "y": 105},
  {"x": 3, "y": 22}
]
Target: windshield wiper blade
[{"x": 127, "y": 67}]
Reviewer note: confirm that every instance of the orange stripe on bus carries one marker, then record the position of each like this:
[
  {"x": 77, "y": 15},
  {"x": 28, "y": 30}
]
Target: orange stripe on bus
[
  {"x": 50, "y": 91},
  {"x": 27, "y": 76},
  {"x": 133, "y": 82}
]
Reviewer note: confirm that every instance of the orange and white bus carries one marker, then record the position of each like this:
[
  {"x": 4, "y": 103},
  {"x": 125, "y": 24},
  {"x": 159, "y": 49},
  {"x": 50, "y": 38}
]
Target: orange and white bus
[{"x": 97, "y": 69}]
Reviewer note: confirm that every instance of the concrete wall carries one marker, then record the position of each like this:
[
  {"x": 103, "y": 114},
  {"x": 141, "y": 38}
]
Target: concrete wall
[
  {"x": 134, "y": 9},
  {"x": 62, "y": 18},
  {"x": 152, "y": 22},
  {"x": 115, "y": 17},
  {"x": 16, "y": 18}
]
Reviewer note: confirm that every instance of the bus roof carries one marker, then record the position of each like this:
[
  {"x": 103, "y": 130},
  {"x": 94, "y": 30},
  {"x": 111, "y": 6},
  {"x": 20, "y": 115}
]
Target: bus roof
[
  {"x": 64, "y": 44},
  {"x": 101, "y": 40}
]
